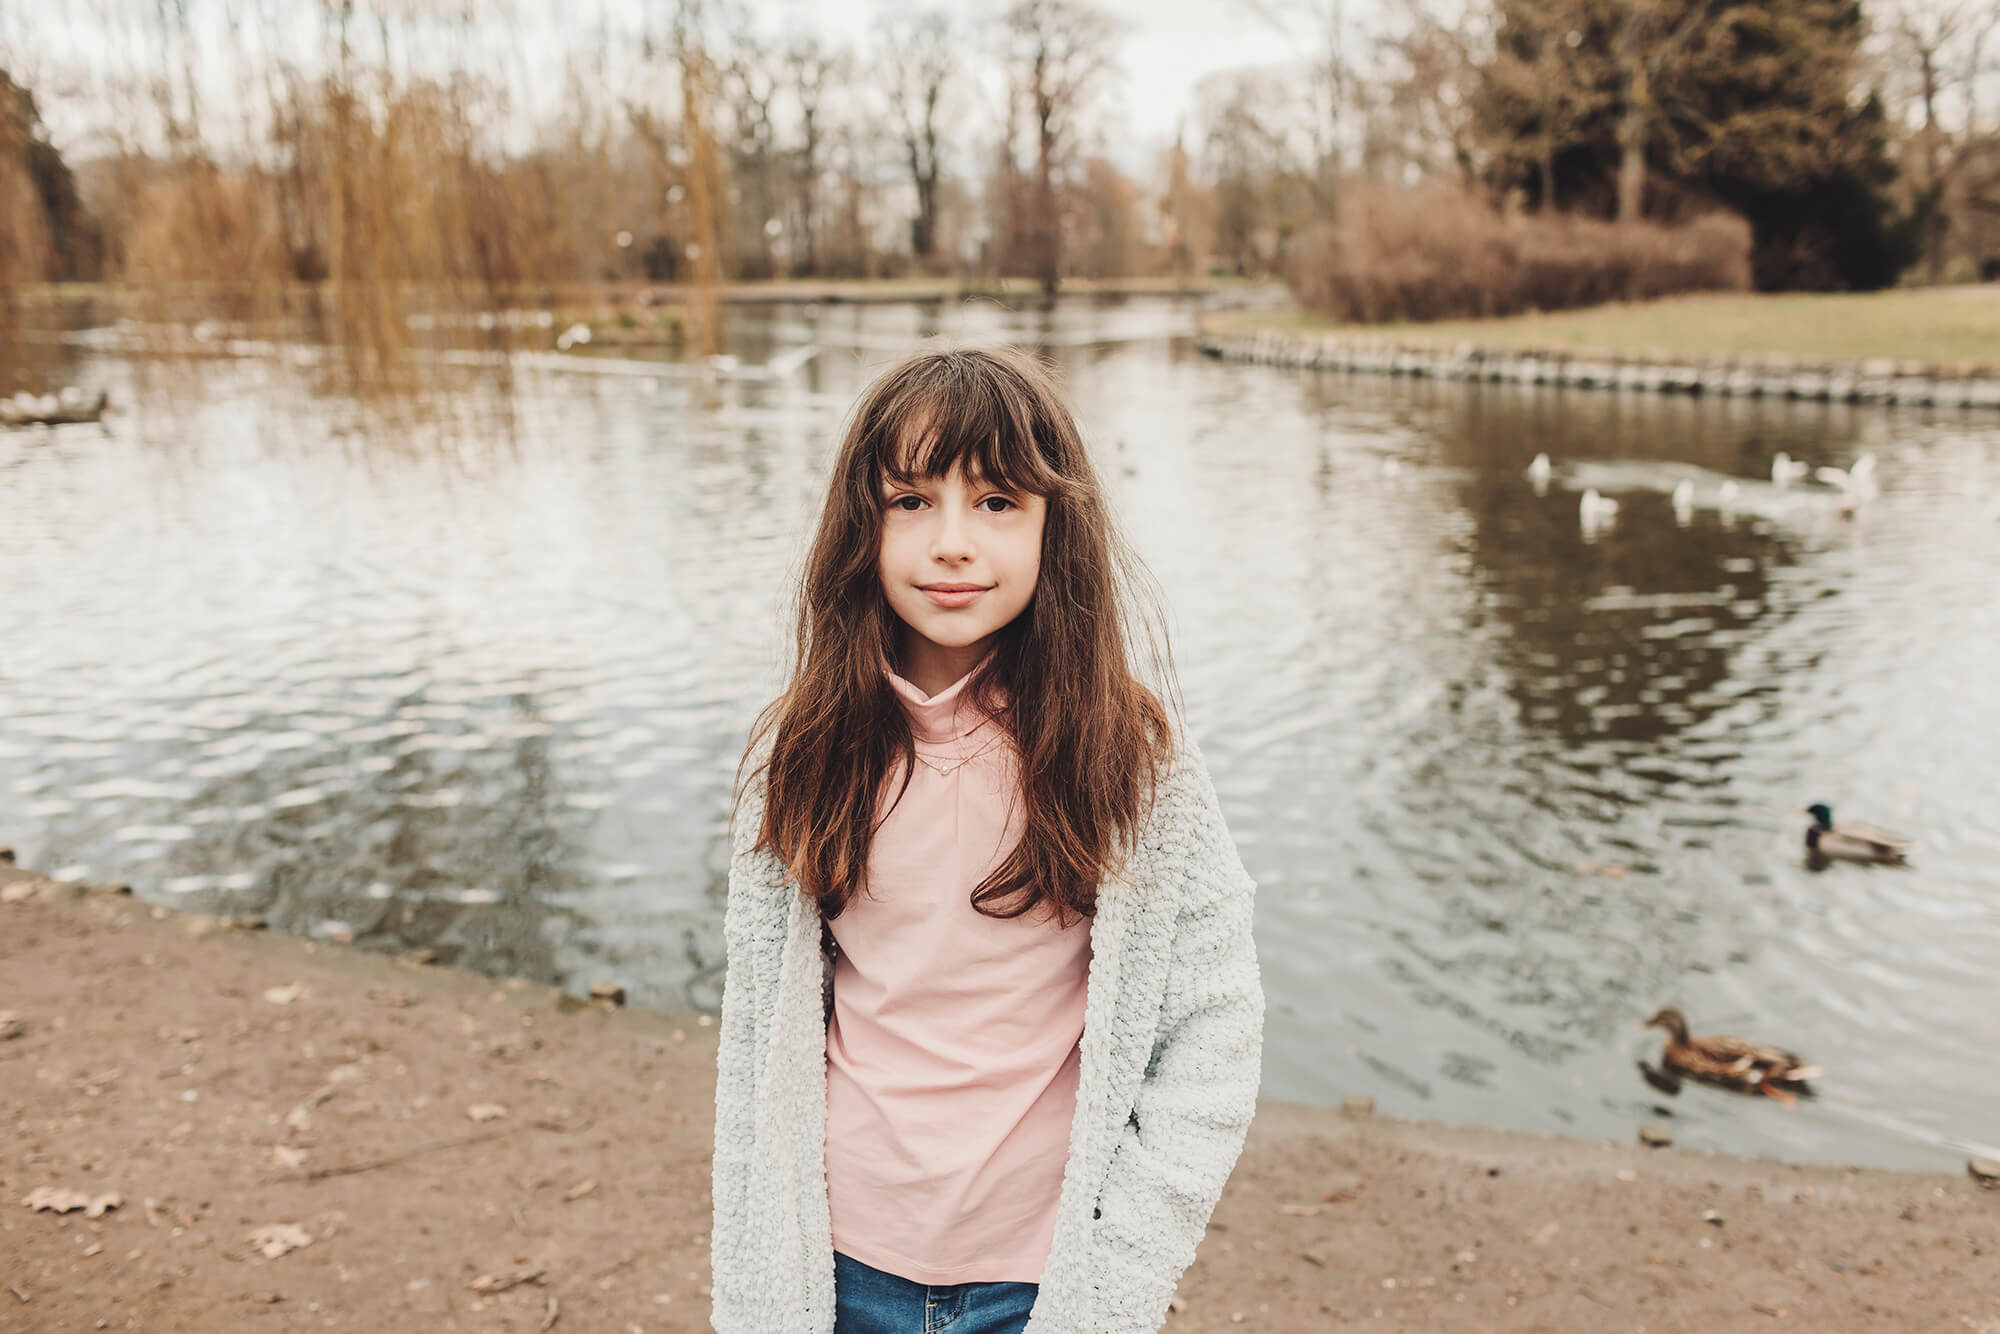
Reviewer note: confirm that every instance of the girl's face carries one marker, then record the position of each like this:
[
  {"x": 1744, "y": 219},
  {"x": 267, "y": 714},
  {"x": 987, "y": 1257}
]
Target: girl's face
[{"x": 956, "y": 533}]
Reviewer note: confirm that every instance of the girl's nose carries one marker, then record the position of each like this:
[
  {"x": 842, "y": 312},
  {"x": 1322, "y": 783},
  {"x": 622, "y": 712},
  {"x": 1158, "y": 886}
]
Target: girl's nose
[{"x": 954, "y": 536}]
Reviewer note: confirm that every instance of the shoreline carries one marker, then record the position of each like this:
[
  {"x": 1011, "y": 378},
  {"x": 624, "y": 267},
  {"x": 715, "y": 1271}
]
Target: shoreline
[
  {"x": 1880, "y": 381},
  {"x": 463, "y": 1152}
]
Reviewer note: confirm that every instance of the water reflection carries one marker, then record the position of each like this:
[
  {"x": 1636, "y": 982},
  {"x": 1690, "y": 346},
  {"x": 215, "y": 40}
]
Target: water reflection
[{"x": 1505, "y": 790}]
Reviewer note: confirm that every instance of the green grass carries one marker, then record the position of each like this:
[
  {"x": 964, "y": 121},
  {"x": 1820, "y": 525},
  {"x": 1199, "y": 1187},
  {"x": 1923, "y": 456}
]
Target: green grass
[{"x": 1959, "y": 325}]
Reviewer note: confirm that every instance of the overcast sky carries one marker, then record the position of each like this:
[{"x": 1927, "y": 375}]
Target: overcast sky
[{"x": 1169, "y": 45}]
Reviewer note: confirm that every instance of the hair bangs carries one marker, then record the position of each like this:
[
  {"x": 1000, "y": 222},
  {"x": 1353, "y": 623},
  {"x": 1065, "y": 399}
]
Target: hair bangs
[{"x": 928, "y": 425}]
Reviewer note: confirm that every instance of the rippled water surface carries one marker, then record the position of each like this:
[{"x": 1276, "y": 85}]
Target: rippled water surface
[{"x": 1506, "y": 787}]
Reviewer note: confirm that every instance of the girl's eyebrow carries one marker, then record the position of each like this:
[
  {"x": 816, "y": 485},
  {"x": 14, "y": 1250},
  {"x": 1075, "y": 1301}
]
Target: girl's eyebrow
[{"x": 974, "y": 480}]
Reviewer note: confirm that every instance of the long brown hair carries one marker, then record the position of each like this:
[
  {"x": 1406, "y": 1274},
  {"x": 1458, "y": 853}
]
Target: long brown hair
[{"x": 1093, "y": 740}]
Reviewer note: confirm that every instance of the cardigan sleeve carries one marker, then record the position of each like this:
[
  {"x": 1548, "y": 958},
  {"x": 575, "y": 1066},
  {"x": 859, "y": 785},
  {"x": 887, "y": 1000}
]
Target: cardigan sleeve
[
  {"x": 1194, "y": 1105},
  {"x": 748, "y": 975}
]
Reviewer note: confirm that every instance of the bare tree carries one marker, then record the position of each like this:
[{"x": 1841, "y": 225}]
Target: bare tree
[
  {"x": 1061, "y": 58},
  {"x": 1942, "y": 52},
  {"x": 918, "y": 56},
  {"x": 1322, "y": 29},
  {"x": 1542, "y": 67},
  {"x": 1649, "y": 41},
  {"x": 750, "y": 81},
  {"x": 1423, "y": 107},
  {"x": 812, "y": 71},
  {"x": 1262, "y": 190}
]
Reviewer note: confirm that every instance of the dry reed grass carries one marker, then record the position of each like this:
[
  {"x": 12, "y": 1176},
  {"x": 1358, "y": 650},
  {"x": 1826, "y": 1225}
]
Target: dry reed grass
[{"x": 1437, "y": 253}]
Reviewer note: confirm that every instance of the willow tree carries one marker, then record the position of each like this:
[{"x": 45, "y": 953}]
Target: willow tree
[{"x": 1059, "y": 60}]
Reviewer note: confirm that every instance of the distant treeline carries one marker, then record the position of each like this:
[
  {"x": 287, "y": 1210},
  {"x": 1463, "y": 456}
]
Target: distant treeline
[{"x": 393, "y": 147}]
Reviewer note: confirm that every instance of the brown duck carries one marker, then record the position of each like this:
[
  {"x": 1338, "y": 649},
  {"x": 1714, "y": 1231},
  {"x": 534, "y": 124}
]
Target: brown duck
[{"x": 1733, "y": 1062}]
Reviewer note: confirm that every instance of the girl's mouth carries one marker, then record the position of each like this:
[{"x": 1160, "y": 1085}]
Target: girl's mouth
[{"x": 952, "y": 597}]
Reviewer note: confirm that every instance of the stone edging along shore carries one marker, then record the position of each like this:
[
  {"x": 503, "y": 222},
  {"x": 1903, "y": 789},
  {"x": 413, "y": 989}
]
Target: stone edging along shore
[{"x": 1916, "y": 384}]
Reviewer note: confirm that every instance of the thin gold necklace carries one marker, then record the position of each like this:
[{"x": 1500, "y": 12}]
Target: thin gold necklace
[{"x": 946, "y": 769}]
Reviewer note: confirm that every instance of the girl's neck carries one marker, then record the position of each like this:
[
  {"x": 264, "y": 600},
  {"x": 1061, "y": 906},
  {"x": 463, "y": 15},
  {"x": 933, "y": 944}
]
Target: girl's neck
[{"x": 932, "y": 668}]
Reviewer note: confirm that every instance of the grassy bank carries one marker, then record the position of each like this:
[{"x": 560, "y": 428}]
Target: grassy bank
[{"x": 1950, "y": 325}]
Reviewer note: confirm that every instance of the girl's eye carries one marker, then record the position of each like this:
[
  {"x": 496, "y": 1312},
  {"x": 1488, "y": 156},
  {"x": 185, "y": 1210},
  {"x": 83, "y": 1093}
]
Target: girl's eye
[{"x": 897, "y": 503}]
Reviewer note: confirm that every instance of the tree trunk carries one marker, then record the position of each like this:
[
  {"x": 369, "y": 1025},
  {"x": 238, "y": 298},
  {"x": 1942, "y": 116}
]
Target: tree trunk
[
  {"x": 1631, "y": 163},
  {"x": 1940, "y": 222},
  {"x": 1048, "y": 231},
  {"x": 1634, "y": 119},
  {"x": 809, "y": 202},
  {"x": 926, "y": 174},
  {"x": 924, "y": 238}
]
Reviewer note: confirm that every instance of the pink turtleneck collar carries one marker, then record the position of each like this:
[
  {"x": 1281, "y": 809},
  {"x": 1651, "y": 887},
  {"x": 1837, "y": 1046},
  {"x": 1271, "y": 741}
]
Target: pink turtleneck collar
[{"x": 950, "y": 715}]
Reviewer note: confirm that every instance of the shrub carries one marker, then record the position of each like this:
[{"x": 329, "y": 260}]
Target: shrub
[{"x": 1438, "y": 253}]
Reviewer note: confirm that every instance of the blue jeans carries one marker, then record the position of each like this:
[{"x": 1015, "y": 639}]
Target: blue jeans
[{"x": 868, "y": 1301}]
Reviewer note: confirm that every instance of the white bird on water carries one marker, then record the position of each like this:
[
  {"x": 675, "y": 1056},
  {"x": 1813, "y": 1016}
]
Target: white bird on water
[
  {"x": 1784, "y": 471},
  {"x": 784, "y": 363},
  {"x": 1596, "y": 512},
  {"x": 1539, "y": 473},
  {"x": 1857, "y": 481},
  {"x": 1856, "y": 484}
]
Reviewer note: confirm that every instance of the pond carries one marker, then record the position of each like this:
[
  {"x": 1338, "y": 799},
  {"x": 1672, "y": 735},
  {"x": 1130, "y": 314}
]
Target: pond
[{"x": 1506, "y": 786}]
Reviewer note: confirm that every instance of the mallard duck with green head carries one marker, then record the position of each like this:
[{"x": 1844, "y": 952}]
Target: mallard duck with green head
[
  {"x": 1730, "y": 1061},
  {"x": 1852, "y": 842}
]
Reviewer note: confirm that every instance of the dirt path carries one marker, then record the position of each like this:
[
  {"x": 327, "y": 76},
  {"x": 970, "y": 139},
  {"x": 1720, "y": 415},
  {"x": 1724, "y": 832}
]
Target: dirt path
[{"x": 222, "y": 1081}]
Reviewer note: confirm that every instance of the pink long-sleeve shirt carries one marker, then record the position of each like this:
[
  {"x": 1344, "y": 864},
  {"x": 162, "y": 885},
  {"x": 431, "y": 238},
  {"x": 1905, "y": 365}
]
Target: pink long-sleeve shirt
[{"x": 951, "y": 1052}]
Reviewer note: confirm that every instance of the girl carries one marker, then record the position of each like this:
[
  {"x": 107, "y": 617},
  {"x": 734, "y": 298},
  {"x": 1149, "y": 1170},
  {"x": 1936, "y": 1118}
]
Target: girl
[{"x": 992, "y": 1021}]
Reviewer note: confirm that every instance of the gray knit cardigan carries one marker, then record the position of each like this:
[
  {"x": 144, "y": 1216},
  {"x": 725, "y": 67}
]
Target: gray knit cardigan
[{"x": 1171, "y": 1051}]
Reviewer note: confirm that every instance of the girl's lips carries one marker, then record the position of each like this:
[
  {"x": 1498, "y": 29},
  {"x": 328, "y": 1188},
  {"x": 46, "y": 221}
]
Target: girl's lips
[{"x": 952, "y": 599}]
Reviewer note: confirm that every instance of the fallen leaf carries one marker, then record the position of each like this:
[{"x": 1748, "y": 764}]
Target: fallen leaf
[
  {"x": 284, "y": 995},
  {"x": 60, "y": 1201},
  {"x": 490, "y": 1285},
  {"x": 10, "y": 1025},
  {"x": 581, "y": 1189},
  {"x": 486, "y": 1111},
  {"x": 274, "y": 1239},
  {"x": 1300, "y": 1210}
]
